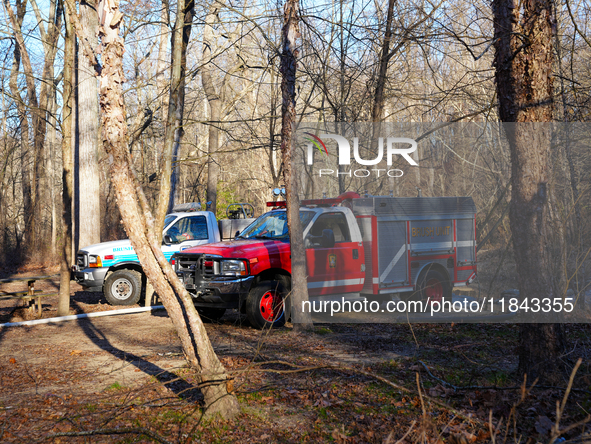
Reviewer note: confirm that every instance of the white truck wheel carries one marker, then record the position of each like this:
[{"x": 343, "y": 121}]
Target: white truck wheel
[{"x": 123, "y": 287}]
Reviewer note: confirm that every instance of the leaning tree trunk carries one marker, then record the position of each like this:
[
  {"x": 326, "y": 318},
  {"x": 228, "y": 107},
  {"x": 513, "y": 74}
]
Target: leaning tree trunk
[
  {"x": 139, "y": 224},
  {"x": 299, "y": 284},
  {"x": 523, "y": 62}
]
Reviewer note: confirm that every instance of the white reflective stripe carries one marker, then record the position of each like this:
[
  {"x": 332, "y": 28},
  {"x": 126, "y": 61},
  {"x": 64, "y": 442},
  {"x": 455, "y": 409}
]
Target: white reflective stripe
[
  {"x": 376, "y": 280},
  {"x": 469, "y": 243},
  {"x": 339, "y": 283},
  {"x": 393, "y": 263},
  {"x": 432, "y": 246}
]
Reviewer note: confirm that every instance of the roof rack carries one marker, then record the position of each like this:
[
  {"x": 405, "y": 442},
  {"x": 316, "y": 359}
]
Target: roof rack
[{"x": 187, "y": 207}]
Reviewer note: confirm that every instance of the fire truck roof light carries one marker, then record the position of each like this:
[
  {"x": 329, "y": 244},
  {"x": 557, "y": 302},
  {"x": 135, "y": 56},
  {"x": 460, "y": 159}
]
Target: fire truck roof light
[{"x": 280, "y": 204}]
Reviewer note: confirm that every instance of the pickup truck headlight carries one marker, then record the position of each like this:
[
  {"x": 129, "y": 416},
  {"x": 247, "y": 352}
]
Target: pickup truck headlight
[
  {"x": 233, "y": 268},
  {"x": 94, "y": 261}
]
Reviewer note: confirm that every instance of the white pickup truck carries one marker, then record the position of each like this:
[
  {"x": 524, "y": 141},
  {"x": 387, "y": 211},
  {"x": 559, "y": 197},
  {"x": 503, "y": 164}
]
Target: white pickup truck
[{"x": 114, "y": 268}]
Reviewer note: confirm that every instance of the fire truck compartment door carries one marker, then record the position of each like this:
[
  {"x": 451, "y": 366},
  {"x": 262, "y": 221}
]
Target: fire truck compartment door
[
  {"x": 431, "y": 236},
  {"x": 336, "y": 269},
  {"x": 392, "y": 253},
  {"x": 466, "y": 250}
]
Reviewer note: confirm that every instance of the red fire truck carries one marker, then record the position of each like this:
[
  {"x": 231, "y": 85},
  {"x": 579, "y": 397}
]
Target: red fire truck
[{"x": 419, "y": 247}]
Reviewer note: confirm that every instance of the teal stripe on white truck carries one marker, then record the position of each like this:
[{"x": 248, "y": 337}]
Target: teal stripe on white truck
[{"x": 114, "y": 268}]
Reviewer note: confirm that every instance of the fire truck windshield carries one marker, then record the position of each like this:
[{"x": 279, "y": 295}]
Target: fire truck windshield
[{"x": 273, "y": 225}]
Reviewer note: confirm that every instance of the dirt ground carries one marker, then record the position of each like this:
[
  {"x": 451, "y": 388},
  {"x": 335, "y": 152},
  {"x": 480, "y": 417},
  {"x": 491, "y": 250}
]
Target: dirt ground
[{"x": 123, "y": 379}]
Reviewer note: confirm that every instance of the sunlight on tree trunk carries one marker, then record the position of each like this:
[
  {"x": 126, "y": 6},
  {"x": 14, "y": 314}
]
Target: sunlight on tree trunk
[
  {"x": 88, "y": 214},
  {"x": 139, "y": 224}
]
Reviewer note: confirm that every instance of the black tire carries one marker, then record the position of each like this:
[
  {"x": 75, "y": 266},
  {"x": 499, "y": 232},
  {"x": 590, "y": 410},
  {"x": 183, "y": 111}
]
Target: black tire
[
  {"x": 123, "y": 287},
  {"x": 210, "y": 314},
  {"x": 433, "y": 286},
  {"x": 265, "y": 305}
]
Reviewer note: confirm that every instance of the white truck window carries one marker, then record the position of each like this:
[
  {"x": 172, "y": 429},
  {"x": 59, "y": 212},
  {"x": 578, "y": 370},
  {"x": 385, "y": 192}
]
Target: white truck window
[{"x": 188, "y": 228}]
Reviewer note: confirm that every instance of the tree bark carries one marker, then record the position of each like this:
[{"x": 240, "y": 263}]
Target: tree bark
[
  {"x": 139, "y": 224},
  {"x": 162, "y": 66},
  {"x": 63, "y": 308},
  {"x": 88, "y": 217},
  {"x": 523, "y": 63},
  {"x": 299, "y": 284},
  {"x": 215, "y": 105}
]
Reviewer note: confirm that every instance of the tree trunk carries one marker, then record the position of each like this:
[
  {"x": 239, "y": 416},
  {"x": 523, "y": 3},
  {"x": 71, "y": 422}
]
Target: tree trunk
[
  {"x": 176, "y": 106},
  {"x": 299, "y": 284},
  {"x": 37, "y": 104},
  {"x": 378, "y": 101},
  {"x": 88, "y": 217},
  {"x": 63, "y": 308},
  {"x": 161, "y": 69},
  {"x": 21, "y": 8},
  {"x": 215, "y": 106},
  {"x": 139, "y": 224},
  {"x": 523, "y": 63}
]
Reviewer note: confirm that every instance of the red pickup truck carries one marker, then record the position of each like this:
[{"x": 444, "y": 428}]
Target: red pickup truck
[{"x": 375, "y": 246}]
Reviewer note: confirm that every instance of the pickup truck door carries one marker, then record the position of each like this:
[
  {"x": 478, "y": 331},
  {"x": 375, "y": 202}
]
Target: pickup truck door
[
  {"x": 336, "y": 269},
  {"x": 186, "y": 232}
]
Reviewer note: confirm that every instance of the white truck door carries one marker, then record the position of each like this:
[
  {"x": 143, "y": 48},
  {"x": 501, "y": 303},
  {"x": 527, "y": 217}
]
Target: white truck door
[{"x": 186, "y": 232}]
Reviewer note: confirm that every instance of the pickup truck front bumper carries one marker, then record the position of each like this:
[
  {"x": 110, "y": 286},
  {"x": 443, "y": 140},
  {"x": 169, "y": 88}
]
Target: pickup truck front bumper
[
  {"x": 90, "y": 278},
  {"x": 217, "y": 293}
]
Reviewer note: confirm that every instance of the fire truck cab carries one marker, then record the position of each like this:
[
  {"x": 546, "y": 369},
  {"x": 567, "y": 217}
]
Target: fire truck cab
[{"x": 376, "y": 246}]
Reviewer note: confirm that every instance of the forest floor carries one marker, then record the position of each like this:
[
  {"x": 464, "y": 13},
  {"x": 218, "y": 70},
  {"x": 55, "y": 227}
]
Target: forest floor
[{"x": 124, "y": 379}]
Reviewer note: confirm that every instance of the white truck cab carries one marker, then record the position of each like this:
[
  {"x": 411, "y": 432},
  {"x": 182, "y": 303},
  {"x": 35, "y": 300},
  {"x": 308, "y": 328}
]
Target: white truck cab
[{"x": 113, "y": 267}]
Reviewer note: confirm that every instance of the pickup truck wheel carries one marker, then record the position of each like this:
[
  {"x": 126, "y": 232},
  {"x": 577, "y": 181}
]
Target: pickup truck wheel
[
  {"x": 123, "y": 287},
  {"x": 265, "y": 305},
  {"x": 209, "y": 314},
  {"x": 433, "y": 287}
]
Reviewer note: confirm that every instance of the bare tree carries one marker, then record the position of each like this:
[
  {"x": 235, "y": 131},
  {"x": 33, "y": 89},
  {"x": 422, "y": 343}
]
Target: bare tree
[
  {"x": 139, "y": 221},
  {"x": 215, "y": 104},
  {"x": 299, "y": 284},
  {"x": 88, "y": 227},
  {"x": 524, "y": 63},
  {"x": 63, "y": 308},
  {"x": 176, "y": 107}
]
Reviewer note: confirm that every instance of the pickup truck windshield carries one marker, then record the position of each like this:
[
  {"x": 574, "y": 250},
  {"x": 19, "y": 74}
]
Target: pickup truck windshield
[
  {"x": 273, "y": 225},
  {"x": 168, "y": 220}
]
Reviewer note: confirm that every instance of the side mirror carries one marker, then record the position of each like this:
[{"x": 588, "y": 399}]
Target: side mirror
[
  {"x": 167, "y": 239},
  {"x": 236, "y": 234}
]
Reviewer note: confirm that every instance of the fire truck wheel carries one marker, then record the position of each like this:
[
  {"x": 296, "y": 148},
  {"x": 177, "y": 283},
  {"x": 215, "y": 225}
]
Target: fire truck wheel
[
  {"x": 209, "y": 314},
  {"x": 265, "y": 305},
  {"x": 434, "y": 286},
  {"x": 123, "y": 287}
]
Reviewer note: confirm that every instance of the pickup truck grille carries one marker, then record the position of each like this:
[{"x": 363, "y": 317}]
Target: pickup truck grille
[
  {"x": 194, "y": 267},
  {"x": 81, "y": 261}
]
